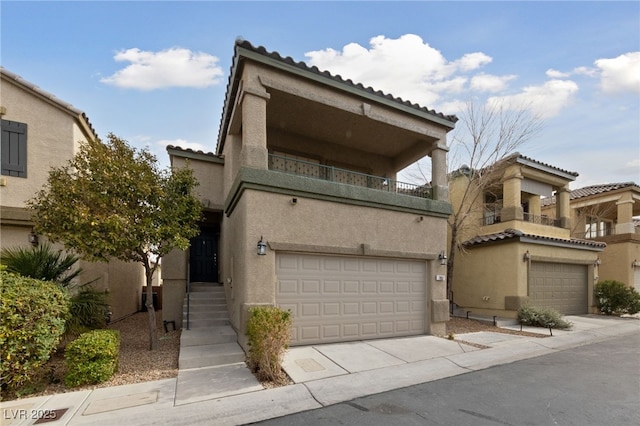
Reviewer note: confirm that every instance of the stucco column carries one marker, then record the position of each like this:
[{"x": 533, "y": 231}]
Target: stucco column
[
  {"x": 534, "y": 205},
  {"x": 254, "y": 129},
  {"x": 439, "y": 173},
  {"x": 562, "y": 206},
  {"x": 512, "y": 198},
  {"x": 625, "y": 215}
]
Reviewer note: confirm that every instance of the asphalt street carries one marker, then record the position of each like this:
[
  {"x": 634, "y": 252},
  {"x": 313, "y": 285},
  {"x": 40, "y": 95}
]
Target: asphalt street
[{"x": 596, "y": 384}]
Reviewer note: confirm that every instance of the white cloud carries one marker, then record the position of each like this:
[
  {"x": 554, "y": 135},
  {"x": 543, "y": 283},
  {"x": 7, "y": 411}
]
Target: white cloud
[
  {"x": 546, "y": 100},
  {"x": 406, "y": 67},
  {"x": 620, "y": 74},
  {"x": 175, "y": 67},
  {"x": 551, "y": 73},
  {"x": 490, "y": 83}
]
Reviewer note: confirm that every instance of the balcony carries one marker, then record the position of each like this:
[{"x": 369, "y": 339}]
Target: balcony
[
  {"x": 347, "y": 177},
  {"x": 493, "y": 217}
]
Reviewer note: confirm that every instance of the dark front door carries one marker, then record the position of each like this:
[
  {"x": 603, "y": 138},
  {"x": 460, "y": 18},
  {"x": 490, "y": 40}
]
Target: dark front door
[{"x": 203, "y": 258}]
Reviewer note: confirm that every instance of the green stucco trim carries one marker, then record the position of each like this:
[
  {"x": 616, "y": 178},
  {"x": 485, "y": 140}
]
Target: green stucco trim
[{"x": 300, "y": 186}]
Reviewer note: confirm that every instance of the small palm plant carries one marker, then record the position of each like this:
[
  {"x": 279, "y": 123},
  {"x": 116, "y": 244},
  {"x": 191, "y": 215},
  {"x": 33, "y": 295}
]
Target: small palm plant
[
  {"x": 89, "y": 307},
  {"x": 42, "y": 262}
]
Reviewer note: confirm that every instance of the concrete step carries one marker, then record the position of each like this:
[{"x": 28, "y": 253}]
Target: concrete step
[
  {"x": 207, "y": 336},
  {"x": 202, "y": 307},
  {"x": 206, "y": 314},
  {"x": 206, "y": 288},
  {"x": 210, "y": 355},
  {"x": 205, "y": 295},
  {"x": 199, "y": 323}
]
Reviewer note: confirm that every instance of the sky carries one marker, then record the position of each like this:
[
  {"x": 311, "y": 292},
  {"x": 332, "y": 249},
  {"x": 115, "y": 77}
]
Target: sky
[{"x": 155, "y": 72}]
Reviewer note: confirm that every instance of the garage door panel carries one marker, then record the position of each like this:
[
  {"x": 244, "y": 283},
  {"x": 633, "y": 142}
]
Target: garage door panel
[
  {"x": 559, "y": 286},
  {"x": 351, "y": 298}
]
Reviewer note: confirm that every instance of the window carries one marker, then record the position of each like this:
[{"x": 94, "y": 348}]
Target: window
[
  {"x": 597, "y": 228},
  {"x": 14, "y": 148}
]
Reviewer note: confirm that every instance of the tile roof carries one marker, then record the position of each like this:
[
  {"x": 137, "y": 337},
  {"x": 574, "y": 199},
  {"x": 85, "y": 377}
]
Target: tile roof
[
  {"x": 519, "y": 158},
  {"x": 592, "y": 190},
  {"x": 313, "y": 69},
  {"x": 189, "y": 150},
  {"x": 62, "y": 104},
  {"x": 511, "y": 233},
  {"x": 240, "y": 43}
]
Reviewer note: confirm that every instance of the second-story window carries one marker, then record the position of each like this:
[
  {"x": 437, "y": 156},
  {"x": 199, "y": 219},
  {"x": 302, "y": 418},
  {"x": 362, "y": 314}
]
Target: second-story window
[
  {"x": 14, "y": 148},
  {"x": 596, "y": 227}
]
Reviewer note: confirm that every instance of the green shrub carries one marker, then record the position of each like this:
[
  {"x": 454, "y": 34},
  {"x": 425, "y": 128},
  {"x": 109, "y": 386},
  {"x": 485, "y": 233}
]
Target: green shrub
[
  {"x": 32, "y": 321},
  {"x": 92, "y": 358},
  {"x": 269, "y": 332},
  {"x": 89, "y": 310},
  {"x": 613, "y": 297},
  {"x": 42, "y": 262},
  {"x": 542, "y": 317}
]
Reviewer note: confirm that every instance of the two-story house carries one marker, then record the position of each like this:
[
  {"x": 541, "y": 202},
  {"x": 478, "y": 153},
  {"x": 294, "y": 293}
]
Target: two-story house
[
  {"x": 304, "y": 211},
  {"x": 608, "y": 213},
  {"x": 512, "y": 252},
  {"x": 40, "y": 131}
]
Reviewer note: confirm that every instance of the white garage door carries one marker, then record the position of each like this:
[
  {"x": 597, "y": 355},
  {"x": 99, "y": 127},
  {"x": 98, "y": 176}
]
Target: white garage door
[
  {"x": 560, "y": 286},
  {"x": 337, "y": 299}
]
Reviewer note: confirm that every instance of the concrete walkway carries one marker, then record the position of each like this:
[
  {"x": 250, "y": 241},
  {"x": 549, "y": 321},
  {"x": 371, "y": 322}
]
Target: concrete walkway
[{"x": 323, "y": 375}]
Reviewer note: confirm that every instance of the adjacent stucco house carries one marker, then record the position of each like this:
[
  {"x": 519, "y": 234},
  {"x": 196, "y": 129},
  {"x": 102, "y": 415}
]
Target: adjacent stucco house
[
  {"x": 40, "y": 131},
  {"x": 609, "y": 213},
  {"x": 512, "y": 252},
  {"x": 306, "y": 164}
]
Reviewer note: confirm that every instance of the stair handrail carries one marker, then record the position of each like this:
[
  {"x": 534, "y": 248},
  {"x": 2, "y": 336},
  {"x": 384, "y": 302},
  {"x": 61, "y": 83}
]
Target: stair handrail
[{"x": 188, "y": 293}]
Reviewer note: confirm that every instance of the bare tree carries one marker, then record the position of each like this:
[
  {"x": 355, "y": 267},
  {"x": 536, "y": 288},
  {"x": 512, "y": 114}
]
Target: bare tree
[{"x": 484, "y": 137}]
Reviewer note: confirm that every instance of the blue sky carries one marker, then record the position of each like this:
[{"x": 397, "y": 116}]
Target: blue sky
[{"x": 155, "y": 73}]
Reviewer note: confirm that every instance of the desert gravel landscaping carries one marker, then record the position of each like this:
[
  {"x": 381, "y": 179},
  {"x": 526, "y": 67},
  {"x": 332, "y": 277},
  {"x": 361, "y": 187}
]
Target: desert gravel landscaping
[{"x": 137, "y": 364}]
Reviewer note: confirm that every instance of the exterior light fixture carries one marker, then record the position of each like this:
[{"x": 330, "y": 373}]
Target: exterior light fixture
[
  {"x": 33, "y": 238},
  {"x": 443, "y": 258},
  {"x": 597, "y": 262},
  {"x": 635, "y": 263},
  {"x": 526, "y": 256},
  {"x": 262, "y": 247}
]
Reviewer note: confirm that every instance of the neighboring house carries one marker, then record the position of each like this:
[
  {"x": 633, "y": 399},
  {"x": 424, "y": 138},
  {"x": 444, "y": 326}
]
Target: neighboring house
[
  {"x": 513, "y": 253},
  {"x": 609, "y": 213},
  {"x": 39, "y": 131},
  {"x": 306, "y": 164}
]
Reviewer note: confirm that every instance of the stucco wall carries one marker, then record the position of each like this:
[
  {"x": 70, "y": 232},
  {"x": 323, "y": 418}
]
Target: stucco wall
[
  {"x": 617, "y": 258},
  {"x": 485, "y": 275},
  {"x": 50, "y": 133},
  {"x": 53, "y": 137},
  {"x": 330, "y": 227},
  {"x": 210, "y": 176}
]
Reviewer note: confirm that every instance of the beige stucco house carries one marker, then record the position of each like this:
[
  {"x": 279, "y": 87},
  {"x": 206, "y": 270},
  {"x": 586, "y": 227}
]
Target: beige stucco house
[
  {"x": 514, "y": 253},
  {"x": 608, "y": 213},
  {"x": 40, "y": 131},
  {"x": 306, "y": 164}
]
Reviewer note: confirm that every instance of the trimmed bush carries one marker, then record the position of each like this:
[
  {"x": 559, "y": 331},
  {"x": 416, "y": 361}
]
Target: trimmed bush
[
  {"x": 542, "y": 317},
  {"x": 614, "y": 297},
  {"x": 32, "y": 321},
  {"x": 92, "y": 358},
  {"x": 269, "y": 332}
]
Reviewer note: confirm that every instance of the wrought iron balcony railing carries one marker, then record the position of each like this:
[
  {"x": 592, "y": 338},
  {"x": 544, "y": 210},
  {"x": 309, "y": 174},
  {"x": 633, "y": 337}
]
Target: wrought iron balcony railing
[{"x": 334, "y": 174}]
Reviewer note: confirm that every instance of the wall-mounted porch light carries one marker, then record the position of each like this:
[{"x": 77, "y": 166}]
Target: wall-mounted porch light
[
  {"x": 262, "y": 247},
  {"x": 33, "y": 238},
  {"x": 597, "y": 262},
  {"x": 443, "y": 258},
  {"x": 526, "y": 256},
  {"x": 635, "y": 263}
]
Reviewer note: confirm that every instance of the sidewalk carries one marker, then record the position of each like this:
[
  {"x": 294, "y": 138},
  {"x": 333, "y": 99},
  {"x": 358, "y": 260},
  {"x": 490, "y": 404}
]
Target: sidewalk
[{"x": 322, "y": 375}]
